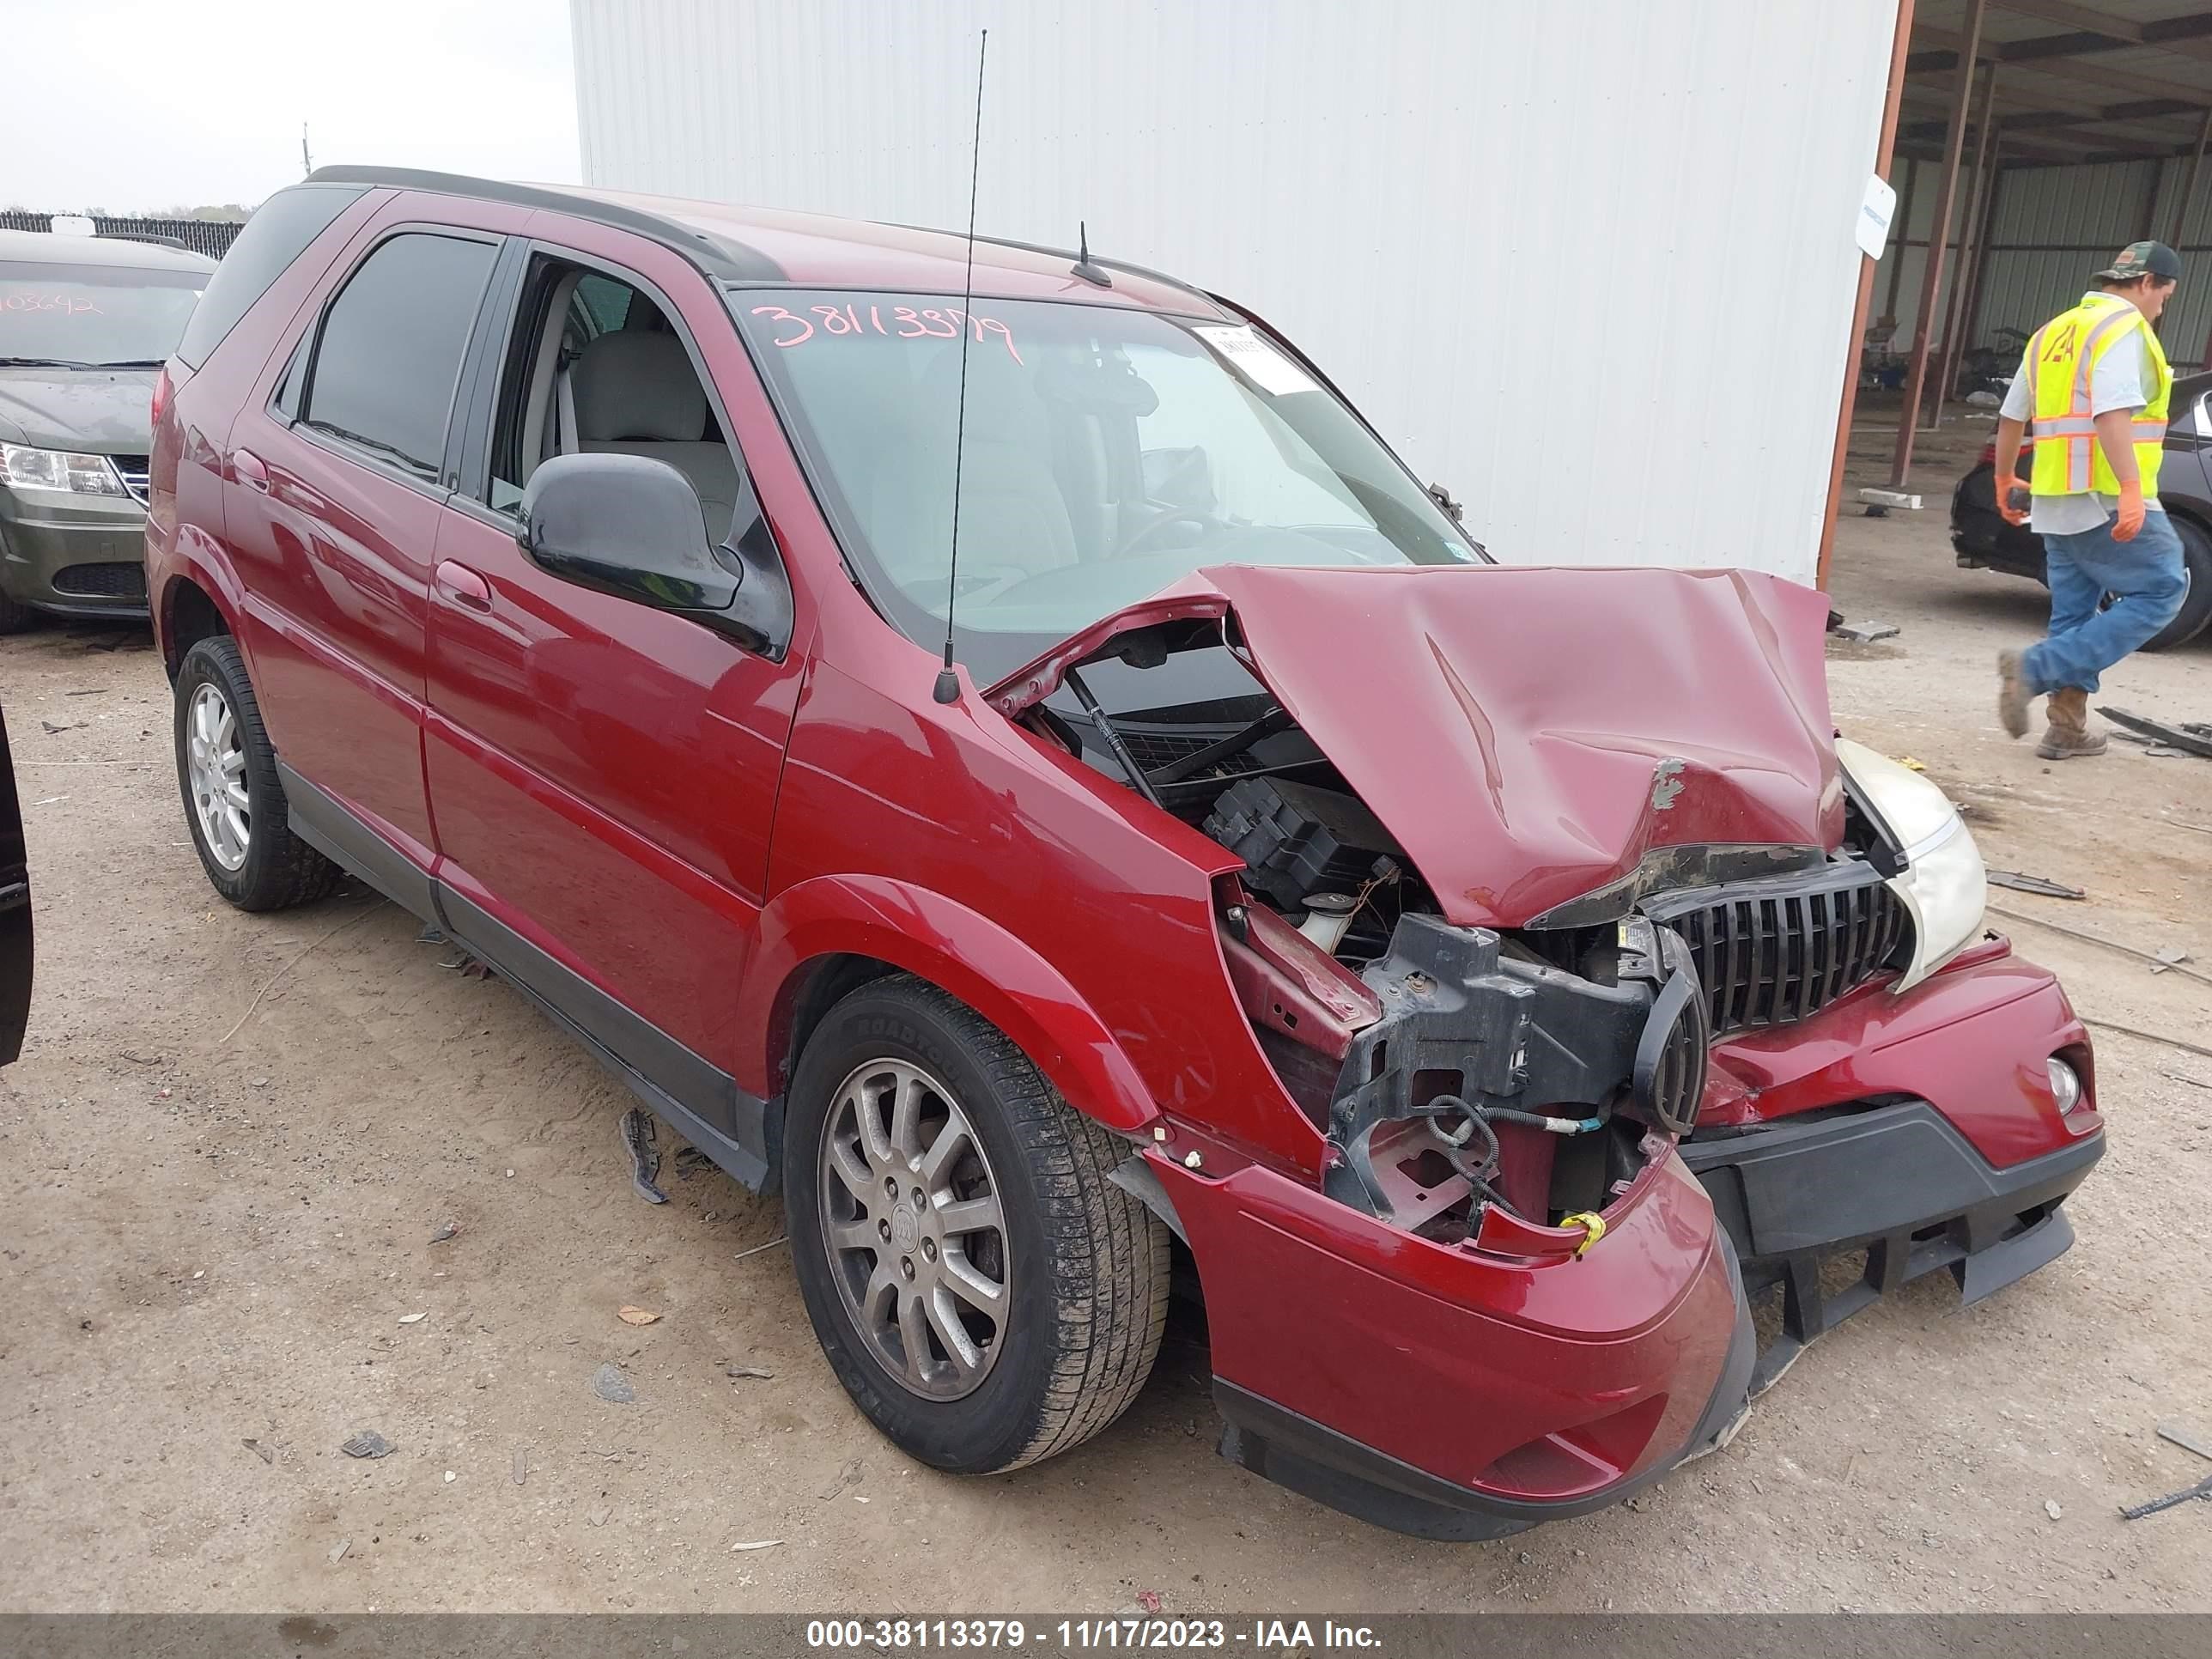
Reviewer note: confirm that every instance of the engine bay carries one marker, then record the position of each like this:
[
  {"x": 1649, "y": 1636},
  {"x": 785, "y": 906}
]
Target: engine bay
[{"x": 1454, "y": 1070}]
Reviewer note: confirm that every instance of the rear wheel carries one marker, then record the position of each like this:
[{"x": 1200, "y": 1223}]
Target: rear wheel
[
  {"x": 2196, "y": 595},
  {"x": 233, "y": 800},
  {"x": 986, "y": 1294}
]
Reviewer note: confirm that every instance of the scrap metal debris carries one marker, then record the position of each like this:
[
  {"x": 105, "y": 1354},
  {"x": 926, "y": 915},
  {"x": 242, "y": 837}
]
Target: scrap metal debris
[
  {"x": 747, "y": 1370},
  {"x": 2202, "y": 1489},
  {"x": 644, "y": 1157},
  {"x": 338, "y": 1550},
  {"x": 2172, "y": 957},
  {"x": 630, "y": 1316},
  {"x": 758, "y": 1248},
  {"x": 2187, "y": 1438},
  {"x": 521, "y": 1465},
  {"x": 756, "y": 1544},
  {"x": 2190, "y": 737},
  {"x": 368, "y": 1444},
  {"x": 266, "y": 1454},
  {"x": 848, "y": 1476},
  {"x": 55, "y": 731},
  {"x": 1866, "y": 633},
  {"x": 2042, "y": 885},
  {"x": 452, "y": 1229}
]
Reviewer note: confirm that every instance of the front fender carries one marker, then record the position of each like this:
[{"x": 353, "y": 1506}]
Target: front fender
[{"x": 955, "y": 948}]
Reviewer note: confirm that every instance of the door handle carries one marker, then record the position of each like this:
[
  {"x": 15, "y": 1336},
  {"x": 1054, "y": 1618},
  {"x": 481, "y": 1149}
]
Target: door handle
[
  {"x": 250, "y": 470},
  {"x": 461, "y": 585}
]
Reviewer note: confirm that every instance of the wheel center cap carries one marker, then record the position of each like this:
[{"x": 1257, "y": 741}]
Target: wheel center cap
[{"x": 906, "y": 1228}]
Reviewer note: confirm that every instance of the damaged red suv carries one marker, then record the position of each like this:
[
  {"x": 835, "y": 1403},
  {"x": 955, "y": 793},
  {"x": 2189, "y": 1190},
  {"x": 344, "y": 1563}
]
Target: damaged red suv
[{"x": 1493, "y": 979}]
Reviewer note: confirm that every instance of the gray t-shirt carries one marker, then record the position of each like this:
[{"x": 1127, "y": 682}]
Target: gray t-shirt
[{"x": 2118, "y": 382}]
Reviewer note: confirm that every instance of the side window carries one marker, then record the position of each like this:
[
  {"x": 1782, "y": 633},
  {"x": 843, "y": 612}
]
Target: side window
[
  {"x": 596, "y": 367},
  {"x": 389, "y": 355},
  {"x": 278, "y": 233}
]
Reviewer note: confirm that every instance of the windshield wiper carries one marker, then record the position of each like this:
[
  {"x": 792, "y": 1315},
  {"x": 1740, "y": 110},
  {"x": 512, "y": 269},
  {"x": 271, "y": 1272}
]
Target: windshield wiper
[
  {"x": 135, "y": 362},
  {"x": 44, "y": 362}
]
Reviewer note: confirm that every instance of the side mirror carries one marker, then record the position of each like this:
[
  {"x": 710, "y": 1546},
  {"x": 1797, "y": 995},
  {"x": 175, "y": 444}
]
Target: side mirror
[{"x": 632, "y": 527}]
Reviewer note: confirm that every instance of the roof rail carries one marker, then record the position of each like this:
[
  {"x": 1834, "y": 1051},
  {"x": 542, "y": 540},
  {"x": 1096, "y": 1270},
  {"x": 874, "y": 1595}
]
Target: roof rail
[
  {"x": 718, "y": 256},
  {"x": 1071, "y": 256}
]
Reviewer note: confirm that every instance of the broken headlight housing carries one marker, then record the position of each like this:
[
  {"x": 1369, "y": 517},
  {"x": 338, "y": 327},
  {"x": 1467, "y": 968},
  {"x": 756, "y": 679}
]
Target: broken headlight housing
[{"x": 1940, "y": 875}]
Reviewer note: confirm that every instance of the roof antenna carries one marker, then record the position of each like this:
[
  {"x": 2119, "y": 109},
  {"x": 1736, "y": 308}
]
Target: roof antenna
[
  {"x": 1096, "y": 274},
  {"x": 948, "y": 683}
]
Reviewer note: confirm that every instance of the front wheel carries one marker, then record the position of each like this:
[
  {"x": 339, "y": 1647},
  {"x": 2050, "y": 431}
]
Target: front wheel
[{"x": 985, "y": 1293}]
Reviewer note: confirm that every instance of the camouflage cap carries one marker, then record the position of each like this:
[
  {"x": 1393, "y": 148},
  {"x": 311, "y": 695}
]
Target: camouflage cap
[{"x": 2143, "y": 259}]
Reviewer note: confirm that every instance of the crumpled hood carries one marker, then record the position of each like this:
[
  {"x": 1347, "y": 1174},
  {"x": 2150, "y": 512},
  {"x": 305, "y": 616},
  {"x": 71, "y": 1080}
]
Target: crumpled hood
[
  {"x": 1530, "y": 735},
  {"x": 107, "y": 411}
]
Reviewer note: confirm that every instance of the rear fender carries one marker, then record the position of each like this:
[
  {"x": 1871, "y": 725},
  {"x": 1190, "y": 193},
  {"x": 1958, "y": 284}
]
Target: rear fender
[
  {"x": 194, "y": 556},
  {"x": 954, "y": 948}
]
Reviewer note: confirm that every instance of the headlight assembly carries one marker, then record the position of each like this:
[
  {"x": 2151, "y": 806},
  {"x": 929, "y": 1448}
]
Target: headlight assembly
[
  {"x": 56, "y": 468},
  {"x": 1940, "y": 878}
]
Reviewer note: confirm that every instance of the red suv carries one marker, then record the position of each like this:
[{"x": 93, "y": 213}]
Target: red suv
[{"x": 1491, "y": 978}]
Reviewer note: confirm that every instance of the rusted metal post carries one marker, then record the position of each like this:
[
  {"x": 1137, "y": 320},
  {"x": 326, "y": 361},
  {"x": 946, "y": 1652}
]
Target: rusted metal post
[
  {"x": 1970, "y": 317},
  {"x": 1939, "y": 232},
  {"x": 2189, "y": 181},
  {"x": 1986, "y": 136},
  {"x": 1885, "y": 151}
]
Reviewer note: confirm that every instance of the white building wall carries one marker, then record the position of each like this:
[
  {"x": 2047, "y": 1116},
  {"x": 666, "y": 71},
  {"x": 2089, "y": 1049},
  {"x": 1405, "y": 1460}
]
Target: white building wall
[{"x": 1591, "y": 264}]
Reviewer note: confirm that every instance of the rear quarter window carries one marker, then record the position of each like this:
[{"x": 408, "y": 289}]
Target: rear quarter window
[{"x": 277, "y": 233}]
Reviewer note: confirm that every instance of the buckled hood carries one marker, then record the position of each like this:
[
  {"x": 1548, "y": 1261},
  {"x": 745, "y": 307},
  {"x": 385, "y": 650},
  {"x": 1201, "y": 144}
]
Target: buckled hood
[{"x": 1530, "y": 735}]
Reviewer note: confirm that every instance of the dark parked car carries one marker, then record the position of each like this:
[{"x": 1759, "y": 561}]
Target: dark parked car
[
  {"x": 1985, "y": 541},
  {"x": 85, "y": 324},
  {"x": 1488, "y": 976},
  {"x": 14, "y": 912}
]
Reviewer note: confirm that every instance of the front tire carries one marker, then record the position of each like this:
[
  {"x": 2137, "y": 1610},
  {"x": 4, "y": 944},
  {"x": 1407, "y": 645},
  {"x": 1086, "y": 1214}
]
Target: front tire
[
  {"x": 233, "y": 800},
  {"x": 1015, "y": 1311}
]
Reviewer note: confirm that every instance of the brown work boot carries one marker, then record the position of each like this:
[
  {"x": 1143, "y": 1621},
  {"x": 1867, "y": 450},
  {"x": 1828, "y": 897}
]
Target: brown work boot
[
  {"x": 2013, "y": 695},
  {"x": 2068, "y": 735}
]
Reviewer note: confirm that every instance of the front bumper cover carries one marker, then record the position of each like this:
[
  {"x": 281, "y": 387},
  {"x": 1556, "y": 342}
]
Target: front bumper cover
[
  {"x": 43, "y": 538},
  {"x": 1318, "y": 1463},
  {"x": 1897, "y": 1181}
]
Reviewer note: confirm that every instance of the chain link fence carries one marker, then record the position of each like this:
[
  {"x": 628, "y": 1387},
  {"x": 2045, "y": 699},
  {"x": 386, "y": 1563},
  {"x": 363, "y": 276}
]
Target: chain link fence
[{"x": 212, "y": 237}]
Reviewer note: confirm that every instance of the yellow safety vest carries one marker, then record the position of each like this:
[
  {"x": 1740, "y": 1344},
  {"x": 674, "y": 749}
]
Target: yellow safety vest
[{"x": 2063, "y": 358}]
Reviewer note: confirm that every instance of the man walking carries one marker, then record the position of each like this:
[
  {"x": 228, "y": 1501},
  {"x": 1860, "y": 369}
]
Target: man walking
[{"x": 2092, "y": 388}]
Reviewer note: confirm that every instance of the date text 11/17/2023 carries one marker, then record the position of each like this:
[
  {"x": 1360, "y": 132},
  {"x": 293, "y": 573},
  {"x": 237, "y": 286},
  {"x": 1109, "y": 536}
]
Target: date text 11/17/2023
[
  {"x": 906, "y": 323},
  {"x": 1266, "y": 1636}
]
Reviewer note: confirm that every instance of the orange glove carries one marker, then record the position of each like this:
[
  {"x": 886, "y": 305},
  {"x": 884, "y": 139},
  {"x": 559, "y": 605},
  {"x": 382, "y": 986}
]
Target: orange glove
[
  {"x": 2012, "y": 502},
  {"x": 2131, "y": 510}
]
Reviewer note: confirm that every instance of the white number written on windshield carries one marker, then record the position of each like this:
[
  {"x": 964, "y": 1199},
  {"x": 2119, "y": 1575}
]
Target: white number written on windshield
[{"x": 906, "y": 323}]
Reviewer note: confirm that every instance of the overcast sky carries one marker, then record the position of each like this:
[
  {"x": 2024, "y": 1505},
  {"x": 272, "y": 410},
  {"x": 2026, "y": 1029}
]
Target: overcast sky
[{"x": 138, "y": 105}]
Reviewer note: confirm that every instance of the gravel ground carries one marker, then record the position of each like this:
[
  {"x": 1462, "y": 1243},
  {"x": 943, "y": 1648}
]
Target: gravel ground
[{"x": 231, "y": 1140}]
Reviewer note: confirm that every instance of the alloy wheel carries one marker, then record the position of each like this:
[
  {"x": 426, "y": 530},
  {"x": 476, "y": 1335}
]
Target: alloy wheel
[
  {"x": 215, "y": 763},
  {"x": 914, "y": 1230}
]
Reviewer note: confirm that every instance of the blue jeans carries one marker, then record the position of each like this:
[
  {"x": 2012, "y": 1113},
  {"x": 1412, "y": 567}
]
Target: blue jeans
[{"x": 2146, "y": 576}]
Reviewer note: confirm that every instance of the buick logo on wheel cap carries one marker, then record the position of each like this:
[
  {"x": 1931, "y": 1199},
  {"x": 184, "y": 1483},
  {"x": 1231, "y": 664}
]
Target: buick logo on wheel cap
[{"x": 906, "y": 1230}]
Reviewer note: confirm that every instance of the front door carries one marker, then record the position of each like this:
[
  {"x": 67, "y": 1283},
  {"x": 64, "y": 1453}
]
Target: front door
[{"x": 604, "y": 774}]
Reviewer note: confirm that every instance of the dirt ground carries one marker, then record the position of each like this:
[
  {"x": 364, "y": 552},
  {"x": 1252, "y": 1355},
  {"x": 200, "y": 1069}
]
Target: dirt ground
[{"x": 231, "y": 1139}]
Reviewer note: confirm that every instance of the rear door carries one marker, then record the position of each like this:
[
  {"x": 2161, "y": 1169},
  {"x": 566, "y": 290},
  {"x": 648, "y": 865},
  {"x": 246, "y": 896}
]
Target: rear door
[
  {"x": 336, "y": 476},
  {"x": 604, "y": 774}
]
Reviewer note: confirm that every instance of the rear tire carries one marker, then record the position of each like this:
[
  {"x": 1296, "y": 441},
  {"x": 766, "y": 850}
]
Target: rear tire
[
  {"x": 2195, "y": 611},
  {"x": 248, "y": 850},
  {"x": 1081, "y": 1267}
]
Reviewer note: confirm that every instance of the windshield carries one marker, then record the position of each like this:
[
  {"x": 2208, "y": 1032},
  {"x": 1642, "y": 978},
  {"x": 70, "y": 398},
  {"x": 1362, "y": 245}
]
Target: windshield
[
  {"x": 1109, "y": 453},
  {"x": 93, "y": 316}
]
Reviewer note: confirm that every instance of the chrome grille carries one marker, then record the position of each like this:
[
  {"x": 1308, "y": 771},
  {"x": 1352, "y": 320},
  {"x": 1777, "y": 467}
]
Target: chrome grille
[
  {"x": 1774, "y": 953},
  {"x": 134, "y": 470}
]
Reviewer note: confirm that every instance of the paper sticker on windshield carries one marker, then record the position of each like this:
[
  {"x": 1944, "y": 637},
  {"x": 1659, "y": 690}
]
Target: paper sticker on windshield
[{"x": 1254, "y": 356}]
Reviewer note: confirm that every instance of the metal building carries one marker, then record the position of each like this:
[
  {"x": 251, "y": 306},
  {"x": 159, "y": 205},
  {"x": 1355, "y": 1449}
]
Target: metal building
[{"x": 1592, "y": 266}]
